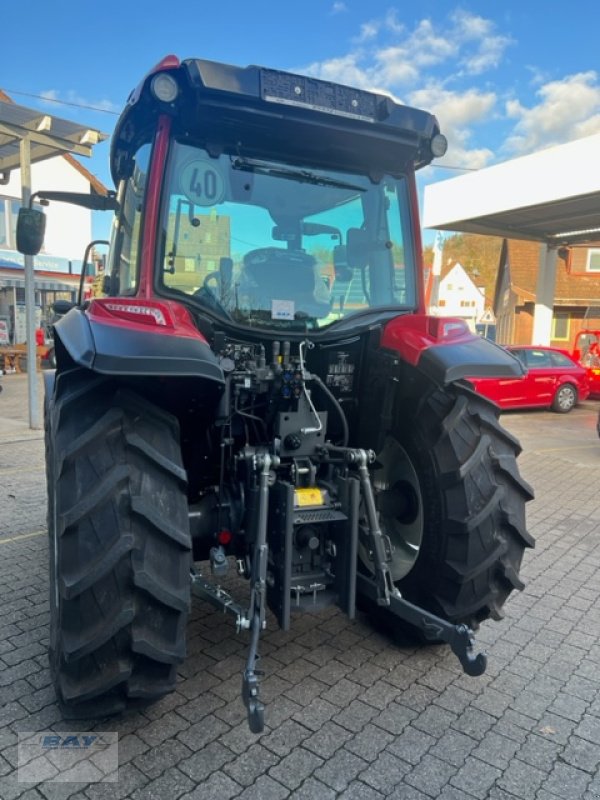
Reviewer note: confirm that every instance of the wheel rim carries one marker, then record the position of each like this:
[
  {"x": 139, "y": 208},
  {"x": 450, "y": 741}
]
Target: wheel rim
[
  {"x": 400, "y": 510},
  {"x": 566, "y": 398}
]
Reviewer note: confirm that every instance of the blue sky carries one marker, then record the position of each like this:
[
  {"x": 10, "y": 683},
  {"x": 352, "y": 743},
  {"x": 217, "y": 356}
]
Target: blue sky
[{"x": 504, "y": 78}]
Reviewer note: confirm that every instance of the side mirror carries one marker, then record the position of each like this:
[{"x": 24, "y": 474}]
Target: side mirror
[
  {"x": 357, "y": 248},
  {"x": 340, "y": 264},
  {"x": 60, "y": 307},
  {"x": 31, "y": 227}
]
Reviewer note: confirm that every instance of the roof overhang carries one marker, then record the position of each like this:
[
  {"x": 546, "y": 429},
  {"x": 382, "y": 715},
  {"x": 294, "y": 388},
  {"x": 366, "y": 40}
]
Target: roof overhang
[
  {"x": 47, "y": 135},
  {"x": 552, "y": 196}
]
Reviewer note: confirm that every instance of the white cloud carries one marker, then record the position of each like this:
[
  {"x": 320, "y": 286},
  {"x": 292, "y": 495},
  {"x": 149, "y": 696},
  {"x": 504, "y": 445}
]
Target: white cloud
[
  {"x": 54, "y": 98},
  {"x": 387, "y": 53},
  {"x": 456, "y": 113},
  {"x": 339, "y": 8},
  {"x": 424, "y": 65},
  {"x": 567, "y": 109}
]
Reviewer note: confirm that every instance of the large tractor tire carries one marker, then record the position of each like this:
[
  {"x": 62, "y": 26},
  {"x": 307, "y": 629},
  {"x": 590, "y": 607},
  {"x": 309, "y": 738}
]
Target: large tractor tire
[
  {"x": 120, "y": 546},
  {"x": 452, "y": 502}
]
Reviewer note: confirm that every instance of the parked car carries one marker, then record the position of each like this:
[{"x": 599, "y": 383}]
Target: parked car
[{"x": 553, "y": 380}]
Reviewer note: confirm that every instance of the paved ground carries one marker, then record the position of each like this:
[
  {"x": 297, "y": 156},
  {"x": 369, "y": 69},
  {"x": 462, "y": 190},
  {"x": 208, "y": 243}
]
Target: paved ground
[{"x": 350, "y": 715}]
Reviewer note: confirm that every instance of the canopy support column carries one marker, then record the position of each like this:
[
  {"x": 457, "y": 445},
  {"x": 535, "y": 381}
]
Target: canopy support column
[
  {"x": 544, "y": 300},
  {"x": 34, "y": 415}
]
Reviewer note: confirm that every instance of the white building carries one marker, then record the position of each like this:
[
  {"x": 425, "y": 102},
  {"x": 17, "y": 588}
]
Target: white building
[{"x": 458, "y": 296}]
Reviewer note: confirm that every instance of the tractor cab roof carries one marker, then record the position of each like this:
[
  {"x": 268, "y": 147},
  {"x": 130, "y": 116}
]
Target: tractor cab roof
[{"x": 264, "y": 113}]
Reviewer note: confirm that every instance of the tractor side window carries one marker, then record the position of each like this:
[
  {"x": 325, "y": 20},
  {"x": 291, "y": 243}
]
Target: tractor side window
[{"x": 124, "y": 266}]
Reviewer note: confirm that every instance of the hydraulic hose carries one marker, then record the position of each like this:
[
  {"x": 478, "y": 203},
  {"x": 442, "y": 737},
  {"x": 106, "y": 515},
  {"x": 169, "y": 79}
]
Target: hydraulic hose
[{"x": 334, "y": 401}]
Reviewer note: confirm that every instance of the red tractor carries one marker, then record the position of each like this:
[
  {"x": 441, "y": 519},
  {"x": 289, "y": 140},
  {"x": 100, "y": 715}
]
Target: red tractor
[
  {"x": 586, "y": 351},
  {"x": 259, "y": 389}
]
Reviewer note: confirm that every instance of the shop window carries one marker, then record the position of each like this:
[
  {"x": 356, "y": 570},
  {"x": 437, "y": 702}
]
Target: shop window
[
  {"x": 593, "y": 260},
  {"x": 560, "y": 326}
]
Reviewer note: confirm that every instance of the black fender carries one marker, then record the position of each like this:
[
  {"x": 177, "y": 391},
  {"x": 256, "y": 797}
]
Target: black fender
[
  {"x": 122, "y": 350},
  {"x": 444, "y": 349},
  {"x": 476, "y": 358}
]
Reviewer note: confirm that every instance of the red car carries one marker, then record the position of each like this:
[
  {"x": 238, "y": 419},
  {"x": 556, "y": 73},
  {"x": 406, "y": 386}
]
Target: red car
[{"x": 553, "y": 380}]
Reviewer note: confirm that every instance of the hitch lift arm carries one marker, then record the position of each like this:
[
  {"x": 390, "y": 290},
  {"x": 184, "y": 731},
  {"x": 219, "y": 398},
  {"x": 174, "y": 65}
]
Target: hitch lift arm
[{"x": 382, "y": 589}]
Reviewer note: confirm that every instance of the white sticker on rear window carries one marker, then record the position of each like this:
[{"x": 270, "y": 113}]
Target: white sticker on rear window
[{"x": 282, "y": 309}]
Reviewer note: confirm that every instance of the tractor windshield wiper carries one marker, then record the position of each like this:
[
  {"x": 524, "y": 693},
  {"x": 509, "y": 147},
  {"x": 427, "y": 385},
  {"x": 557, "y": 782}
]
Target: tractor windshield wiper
[{"x": 301, "y": 175}]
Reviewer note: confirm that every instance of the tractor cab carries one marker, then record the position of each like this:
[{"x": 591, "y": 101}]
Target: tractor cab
[{"x": 267, "y": 220}]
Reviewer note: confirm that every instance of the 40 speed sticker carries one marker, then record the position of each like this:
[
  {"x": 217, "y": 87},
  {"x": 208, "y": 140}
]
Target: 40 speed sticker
[{"x": 202, "y": 183}]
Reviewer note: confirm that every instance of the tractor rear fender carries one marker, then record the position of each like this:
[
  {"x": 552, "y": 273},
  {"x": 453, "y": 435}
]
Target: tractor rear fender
[
  {"x": 121, "y": 336},
  {"x": 444, "y": 349}
]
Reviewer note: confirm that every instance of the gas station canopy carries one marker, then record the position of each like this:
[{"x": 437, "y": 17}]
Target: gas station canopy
[{"x": 552, "y": 196}]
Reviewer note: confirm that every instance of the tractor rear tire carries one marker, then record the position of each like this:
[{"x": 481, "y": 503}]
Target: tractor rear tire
[
  {"x": 468, "y": 503},
  {"x": 120, "y": 546}
]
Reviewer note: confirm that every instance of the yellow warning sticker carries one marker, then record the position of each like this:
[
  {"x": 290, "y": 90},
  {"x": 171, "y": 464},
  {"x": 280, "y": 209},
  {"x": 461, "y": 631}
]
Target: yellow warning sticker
[{"x": 308, "y": 496}]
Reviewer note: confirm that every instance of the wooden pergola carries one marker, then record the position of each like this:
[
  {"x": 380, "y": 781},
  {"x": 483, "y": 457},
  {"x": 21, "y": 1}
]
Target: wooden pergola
[{"x": 26, "y": 137}]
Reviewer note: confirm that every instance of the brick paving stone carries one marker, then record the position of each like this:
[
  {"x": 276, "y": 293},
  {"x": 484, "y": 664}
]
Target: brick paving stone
[
  {"x": 430, "y": 775},
  {"x": 340, "y": 770},
  {"x": 385, "y": 773},
  {"x": 355, "y": 716},
  {"x": 265, "y": 788},
  {"x": 331, "y": 673},
  {"x": 454, "y": 699},
  {"x": 206, "y": 761},
  {"x": 312, "y": 789},
  {"x": 496, "y": 749},
  {"x": 474, "y": 723},
  {"x": 130, "y": 746},
  {"x": 582, "y": 754},
  {"x": 589, "y": 728},
  {"x": 156, "y": 732},
  {"x": 284, "y": 738},
  {"x": 130, "y": 779},
  {"x": 301, "y": 693},
  {"x": 295, "y": 768},
  {"x": 476, "y": 777},
  {"x": 407, "y": 793},
  {"x": 369, "y": 742},
  {"x": 342, "y": 693},
  {"x": 567, "y": 781},
  {"x": 155, "y": 761},
  {"x": 217, "y": 787},
  {"x": 453, "y": 747},
  {"x": 315, "y": 714},
  {"x": 280, "y": 710},
  {"x": 434, "y": 720},
  {"x": 246, "y": 767},
  {"x": 395, "y": 718},
  {"x": 452, "y": 793},
  {"x": 327, "y": 740},
  {"x": 411, "y": 745},
  {"x": 539, "y": 751},
  {"x": 359, "y": 791},
  {"x": 367, "y": 674},
  {"x": 172, "y": 784},
  {"x": 521, "y": 779}
]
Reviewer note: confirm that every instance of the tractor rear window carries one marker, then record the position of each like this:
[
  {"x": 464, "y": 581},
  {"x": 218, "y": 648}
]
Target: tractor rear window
[{"x": 268, "y": 244}]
